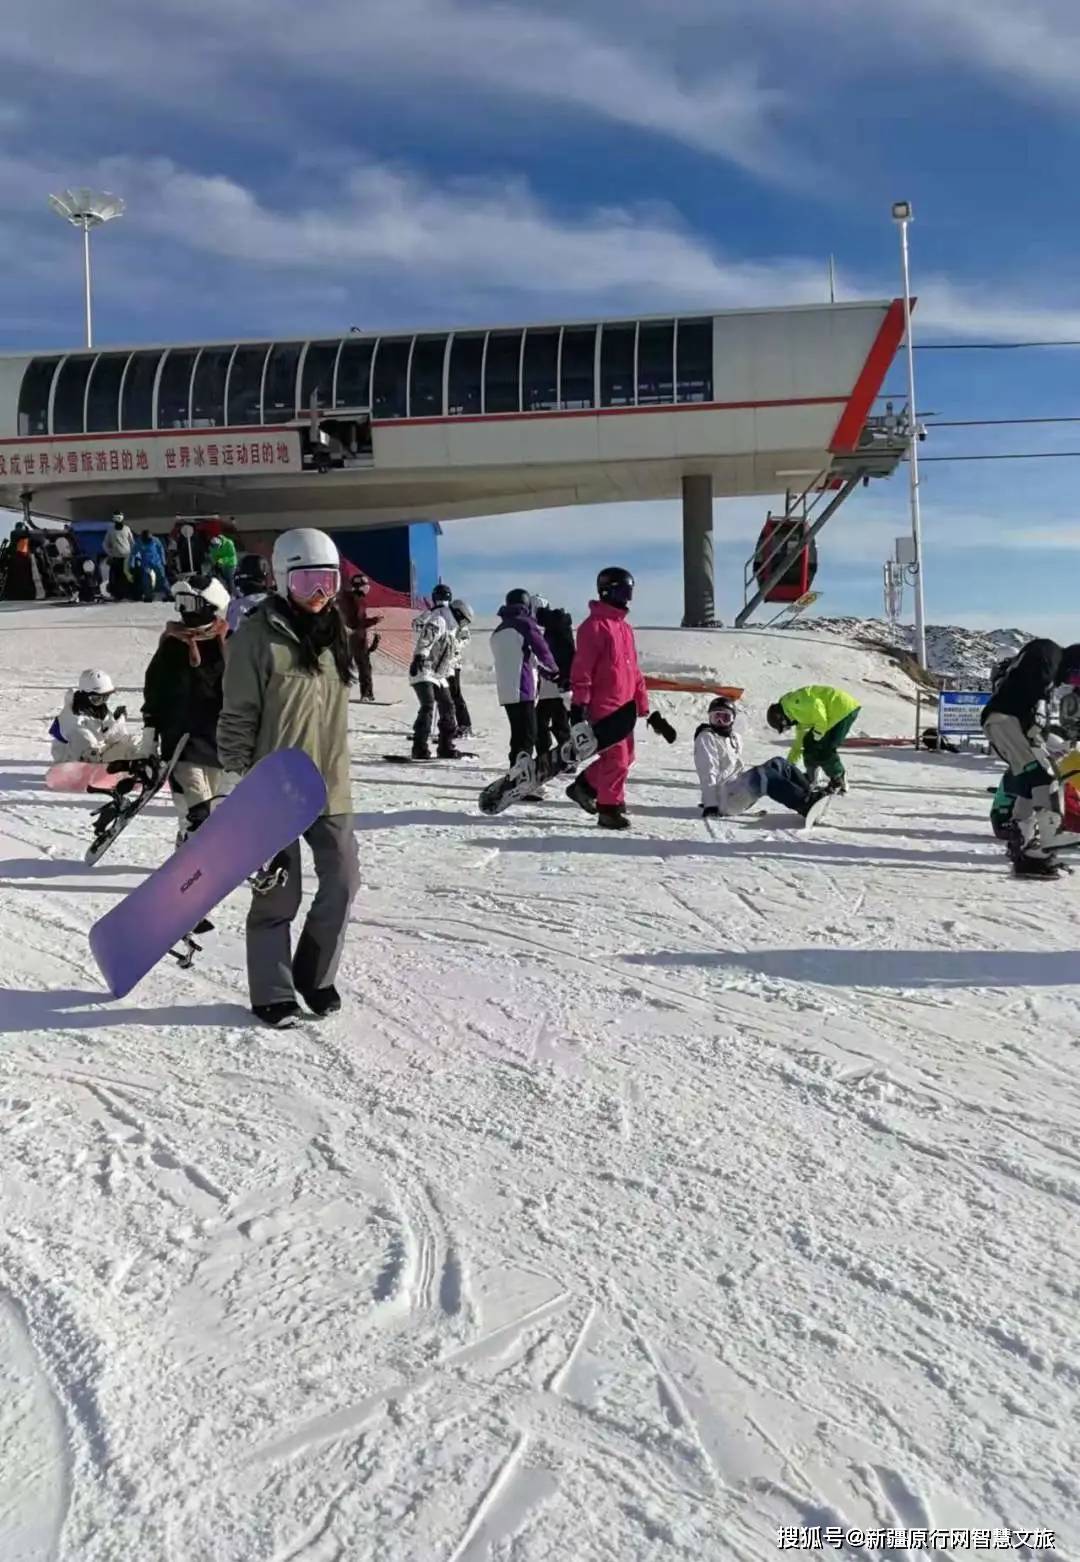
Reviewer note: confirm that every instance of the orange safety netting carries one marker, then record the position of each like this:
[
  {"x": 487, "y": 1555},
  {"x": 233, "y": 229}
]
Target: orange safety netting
[
  {"x": 691, "y": 686},
  {"x": 395, "y": 611}
]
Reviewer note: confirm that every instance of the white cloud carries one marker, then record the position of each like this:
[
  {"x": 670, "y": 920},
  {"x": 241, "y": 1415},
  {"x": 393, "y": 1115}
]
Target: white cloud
[
  {"x": 467, "y": 235},
  {"x": 1036, "y": 44},
  {"x": 480, "y": 247},
  {"x": 467, "y": 52}
]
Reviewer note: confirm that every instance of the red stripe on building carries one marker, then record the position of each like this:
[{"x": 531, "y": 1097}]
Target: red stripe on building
[{"x": 845, "y": 440}]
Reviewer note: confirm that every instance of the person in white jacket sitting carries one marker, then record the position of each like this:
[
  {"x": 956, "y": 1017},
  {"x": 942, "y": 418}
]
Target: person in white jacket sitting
[
  {"x": 727, "y": 785},
  {"x": 86, "y": 731}
]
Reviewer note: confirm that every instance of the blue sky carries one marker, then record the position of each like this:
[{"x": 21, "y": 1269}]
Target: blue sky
[{"x": 399, "y": 162}]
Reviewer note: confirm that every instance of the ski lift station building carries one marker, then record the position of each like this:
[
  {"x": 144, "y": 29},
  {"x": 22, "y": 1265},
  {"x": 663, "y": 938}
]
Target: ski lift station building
[{"x": 375, "y": 431}]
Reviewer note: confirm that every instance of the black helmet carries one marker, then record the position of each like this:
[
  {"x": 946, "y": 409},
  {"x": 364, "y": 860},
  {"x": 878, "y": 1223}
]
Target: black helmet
[
  {"x": 1070, "y": 665},
  {"x": 441, "y": 594},
  {"x": 778, "y": 718},
  {"x": 722, "y": 713},
  {"x": 615, "y": 585},
  {"x": 519, "y": 597}
]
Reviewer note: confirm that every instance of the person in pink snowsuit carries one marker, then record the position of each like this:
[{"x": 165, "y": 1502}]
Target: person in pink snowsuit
[{"x": 604, "y": 675}]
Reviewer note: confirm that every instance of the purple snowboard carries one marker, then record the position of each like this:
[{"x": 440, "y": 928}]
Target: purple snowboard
[{"x": 272, "y": 806}]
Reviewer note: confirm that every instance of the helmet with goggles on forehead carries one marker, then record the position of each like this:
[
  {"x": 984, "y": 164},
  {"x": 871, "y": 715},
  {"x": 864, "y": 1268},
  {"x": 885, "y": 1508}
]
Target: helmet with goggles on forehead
[{"x": 306, "y": 565}]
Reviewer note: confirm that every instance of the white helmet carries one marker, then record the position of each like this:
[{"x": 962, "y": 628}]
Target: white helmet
[
  {"x": 304, "y": 548},
  {"x": 94, "y": 681},
  {"x": 462, "y": 611},
  {"x": 201, "y": 588}
]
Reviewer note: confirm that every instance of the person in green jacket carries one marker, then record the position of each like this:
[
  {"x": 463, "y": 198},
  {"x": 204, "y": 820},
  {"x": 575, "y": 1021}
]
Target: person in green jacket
[
  {"x": 222, "y": 560},
  {"x": 822, "y": 717},
  {"x": 287, "y": 675}
]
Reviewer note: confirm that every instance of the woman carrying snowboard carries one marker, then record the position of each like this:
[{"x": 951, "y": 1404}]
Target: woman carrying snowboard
[{"x": 287, "y": 676}]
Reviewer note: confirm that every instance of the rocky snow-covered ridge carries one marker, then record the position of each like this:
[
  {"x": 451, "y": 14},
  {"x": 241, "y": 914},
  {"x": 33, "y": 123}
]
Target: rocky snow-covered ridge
[{"x": 950, "y": 649}]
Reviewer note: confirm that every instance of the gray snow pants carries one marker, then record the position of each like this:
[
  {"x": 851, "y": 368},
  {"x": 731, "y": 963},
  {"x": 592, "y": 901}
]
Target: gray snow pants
[
  {"x": 1035, "y": 790},
  {"x": 270, "y": 962}
]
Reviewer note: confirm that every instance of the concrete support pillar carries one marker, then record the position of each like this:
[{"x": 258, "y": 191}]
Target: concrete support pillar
[{"x": 697, "y": 500}]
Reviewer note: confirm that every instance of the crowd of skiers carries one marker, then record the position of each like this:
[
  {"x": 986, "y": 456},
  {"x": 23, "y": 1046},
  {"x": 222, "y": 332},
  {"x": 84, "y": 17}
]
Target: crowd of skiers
[
  {"x": 35, "y": 562},
  {"x": 284, "y": 681}
]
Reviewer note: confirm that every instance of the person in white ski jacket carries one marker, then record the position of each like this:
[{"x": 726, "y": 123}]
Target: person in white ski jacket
[
  {"x": 730, "y": 787},
  {"x": 436, "y": 657},
  {"x": 86, "y": 731}
]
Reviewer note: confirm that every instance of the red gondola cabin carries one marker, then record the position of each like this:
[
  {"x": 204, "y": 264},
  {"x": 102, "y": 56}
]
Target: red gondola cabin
[{"x": 781, "y": 537}]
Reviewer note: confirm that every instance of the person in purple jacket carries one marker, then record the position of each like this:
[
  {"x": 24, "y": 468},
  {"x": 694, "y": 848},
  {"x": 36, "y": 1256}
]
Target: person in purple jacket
[{"x": 518, "y": 648}]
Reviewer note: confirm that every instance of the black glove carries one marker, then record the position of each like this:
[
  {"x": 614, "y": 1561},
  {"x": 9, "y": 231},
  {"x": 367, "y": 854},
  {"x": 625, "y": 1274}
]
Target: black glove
[
  {"x": 662, "y": 728},
  {"x": 374, "y": 646},
  {"x": 120, "y": 713},
  {"x": 577, "y": 714},
  {"x": 710, "y": 812}
]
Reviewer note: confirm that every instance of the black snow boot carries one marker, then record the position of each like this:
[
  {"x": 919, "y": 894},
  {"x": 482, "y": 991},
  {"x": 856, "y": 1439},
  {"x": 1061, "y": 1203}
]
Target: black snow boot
[
  {"x": 320, "y": 1000},
  {"x": 280, "y": 1016},
  {"x": 448, "y": 751},
  {"x": 580, "y": 792},
  {"x": 612, "y": 816},
  {"x": 323, "y": 1001},
  {"x": 421, "y": 751}
]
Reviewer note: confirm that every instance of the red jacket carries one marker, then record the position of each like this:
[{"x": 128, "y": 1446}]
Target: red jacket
[{"x": 605, "y": 672}]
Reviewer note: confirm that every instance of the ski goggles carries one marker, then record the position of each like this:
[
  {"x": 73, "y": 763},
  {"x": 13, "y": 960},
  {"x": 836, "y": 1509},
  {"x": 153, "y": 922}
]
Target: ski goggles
[{"x": 311, "y": 581}]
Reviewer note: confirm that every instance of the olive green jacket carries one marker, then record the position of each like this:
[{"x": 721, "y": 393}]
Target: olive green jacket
[{"x": 271, "y": 702}]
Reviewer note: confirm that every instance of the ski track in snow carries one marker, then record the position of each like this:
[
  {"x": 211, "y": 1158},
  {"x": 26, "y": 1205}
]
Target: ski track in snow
[{"x": 650, "y": 1193}]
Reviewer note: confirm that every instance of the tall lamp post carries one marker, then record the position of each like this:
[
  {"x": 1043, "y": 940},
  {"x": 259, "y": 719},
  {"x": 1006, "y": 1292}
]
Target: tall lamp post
[
  {"x": 87, "y": 209},
  {"x": 902, "y": 216}
]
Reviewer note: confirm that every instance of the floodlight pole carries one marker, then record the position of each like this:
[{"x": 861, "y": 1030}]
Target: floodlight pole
[
  {"x": 87, "y": 209},
  {"x": 86, "y": 271},
  {"x": 902, "y": 216}
]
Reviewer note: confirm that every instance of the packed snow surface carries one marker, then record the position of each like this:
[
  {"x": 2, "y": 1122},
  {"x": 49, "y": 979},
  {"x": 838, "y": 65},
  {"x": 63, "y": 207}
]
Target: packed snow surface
[{"x": 651, "y": 1193}]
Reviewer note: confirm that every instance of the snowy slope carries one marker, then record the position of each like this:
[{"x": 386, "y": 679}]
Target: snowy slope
[{"x": 651, "y": 1193}]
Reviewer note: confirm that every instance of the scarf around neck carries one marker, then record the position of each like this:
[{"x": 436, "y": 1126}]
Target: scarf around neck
[{"x": 217, "y": 630}]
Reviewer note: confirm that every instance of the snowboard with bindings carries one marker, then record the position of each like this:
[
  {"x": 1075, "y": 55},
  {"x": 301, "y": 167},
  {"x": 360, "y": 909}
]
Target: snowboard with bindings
[
  {"x": 586, "y": 741},
  {"x": 73, "y": 775},
  {"x": 270, "y": 808},
  {"x": 140, "y": 782},
  {"x": 817, "y": 811}
]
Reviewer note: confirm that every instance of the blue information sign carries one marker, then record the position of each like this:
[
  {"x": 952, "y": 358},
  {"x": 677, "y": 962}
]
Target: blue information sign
[{"x": 959, "y": 713}]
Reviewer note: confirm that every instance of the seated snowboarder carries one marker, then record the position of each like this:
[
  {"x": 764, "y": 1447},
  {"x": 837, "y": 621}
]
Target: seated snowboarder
[
  {"x": 1011, "y": 723},
  {"x": 86, "y": 731},
  {"x": 727, "y": 786},
  {"x": 822, "y": 717}
]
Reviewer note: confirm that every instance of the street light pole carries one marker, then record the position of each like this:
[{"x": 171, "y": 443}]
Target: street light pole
[
  {"x": 902, "y": 216},
  {"x": 87, "y": 209},
  {"x": 86, "y": 274}
]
